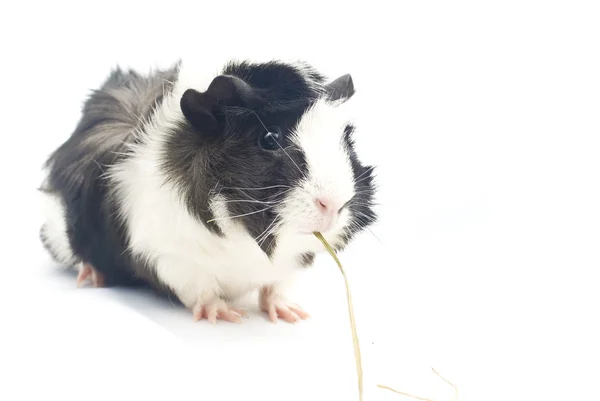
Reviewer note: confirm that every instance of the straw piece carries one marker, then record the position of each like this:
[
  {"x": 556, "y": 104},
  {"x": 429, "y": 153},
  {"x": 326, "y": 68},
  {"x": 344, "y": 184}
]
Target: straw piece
[
  {"x": 355, "y": 335},
  {"x": 350, "y": 312}
]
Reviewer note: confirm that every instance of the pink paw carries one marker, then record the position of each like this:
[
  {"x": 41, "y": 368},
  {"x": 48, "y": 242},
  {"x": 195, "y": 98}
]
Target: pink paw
[
  {"x": 87, "y": 272},
  {"x": 276, "y": 306},
  {"x": 217, "y": 309}
]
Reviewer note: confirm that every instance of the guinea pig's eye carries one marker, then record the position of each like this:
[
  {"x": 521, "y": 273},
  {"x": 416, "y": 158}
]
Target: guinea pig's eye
[{"x": 269, "y": 140}]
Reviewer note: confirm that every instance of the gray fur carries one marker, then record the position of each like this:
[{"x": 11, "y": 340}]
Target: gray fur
[{"x": 110, "y": 118}]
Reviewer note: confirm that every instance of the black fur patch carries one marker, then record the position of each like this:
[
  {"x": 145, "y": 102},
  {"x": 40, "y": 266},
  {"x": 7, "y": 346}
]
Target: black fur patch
[
  {"x": 362, "y": 204},
  {"x": 306, "y": 259},
  {"x": 232, "y": 164}
]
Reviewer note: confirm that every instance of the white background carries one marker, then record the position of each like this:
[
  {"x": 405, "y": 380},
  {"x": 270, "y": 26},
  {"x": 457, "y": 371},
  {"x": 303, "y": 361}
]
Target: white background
[{"x": 483, "y": 118}]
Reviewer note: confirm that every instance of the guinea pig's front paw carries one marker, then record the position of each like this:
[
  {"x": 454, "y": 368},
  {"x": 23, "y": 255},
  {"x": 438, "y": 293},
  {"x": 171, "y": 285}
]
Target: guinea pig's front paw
[
  {"x": 277, "y": 306},
  {"x": 217, "y": 309}
]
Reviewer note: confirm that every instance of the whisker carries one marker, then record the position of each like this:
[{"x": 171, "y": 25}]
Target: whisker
[
  {"x": 365, "y": 204},
  {"x": 280, "y": 193},
  {"x": 250, "y": 197},
  {"x": 259, "y": 236},
  {"x": 240, "y": 215},
  {"x": 273, "y": 198},
  {"x": 288, "y": 155},
  {"x": 376, "y": 237},
  {"x": 258, "y": 189},
  {"x": 268, "y": 231},
  {"x": 364, "y": 172},
  {"x": 357, "y": 227},
  {"x": 363, "y": 179},
  {"x": 213, "y": 191},
  {"x": 248, "y": 201},
  {"x": 100, "y": 167},
  {"x": 365, "y": 191},
  {"x": 270, "y": 243},
  {"x": 362, "y": 214}
]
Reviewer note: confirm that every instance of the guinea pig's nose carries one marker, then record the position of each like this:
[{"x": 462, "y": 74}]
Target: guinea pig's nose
[{"x": 327, "y": 206}]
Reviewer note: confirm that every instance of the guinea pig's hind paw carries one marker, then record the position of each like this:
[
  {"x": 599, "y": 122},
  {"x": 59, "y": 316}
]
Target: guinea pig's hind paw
[
  {"x": 217, "y": 309},
  {"x": 87, "y": 272}
]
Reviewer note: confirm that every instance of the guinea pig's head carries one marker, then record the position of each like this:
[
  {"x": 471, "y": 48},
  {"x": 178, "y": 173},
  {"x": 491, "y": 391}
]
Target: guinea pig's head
[{"x": 269, "y": 146}]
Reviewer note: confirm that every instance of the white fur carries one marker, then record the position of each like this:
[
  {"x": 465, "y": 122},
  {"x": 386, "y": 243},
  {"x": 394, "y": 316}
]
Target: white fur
[
  {"x": 56, "y": 228},
  {"x": 320, "y": 135},
  {"x": 191, "y": 260}
]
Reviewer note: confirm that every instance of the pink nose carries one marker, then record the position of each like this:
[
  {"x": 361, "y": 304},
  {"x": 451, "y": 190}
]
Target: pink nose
[{"x": 326, "y": 206}]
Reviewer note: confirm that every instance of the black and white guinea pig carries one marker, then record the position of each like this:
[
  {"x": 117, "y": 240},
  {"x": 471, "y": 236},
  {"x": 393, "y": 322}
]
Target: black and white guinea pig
[{"x": 208, "y": 186}]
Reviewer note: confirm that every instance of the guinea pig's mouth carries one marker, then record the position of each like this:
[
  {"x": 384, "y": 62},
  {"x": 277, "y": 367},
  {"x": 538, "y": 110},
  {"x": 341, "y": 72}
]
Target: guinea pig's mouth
[
  {"x": 308, "y": 232},
  {"x": 324, "y": 228}
]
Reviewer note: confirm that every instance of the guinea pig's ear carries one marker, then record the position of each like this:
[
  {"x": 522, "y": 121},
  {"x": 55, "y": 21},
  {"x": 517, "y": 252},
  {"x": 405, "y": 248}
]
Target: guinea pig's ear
[
  {"x": 227, "y": 90},
  {"x": 197, "y": 111},
  {"x": 341, "y": 88},
  {"x": 201, "y": 109}
]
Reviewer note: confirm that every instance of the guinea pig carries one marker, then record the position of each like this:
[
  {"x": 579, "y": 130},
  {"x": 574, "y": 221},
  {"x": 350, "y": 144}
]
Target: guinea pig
[{"x": 208, "y": 186}]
